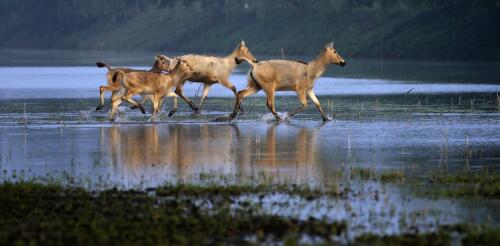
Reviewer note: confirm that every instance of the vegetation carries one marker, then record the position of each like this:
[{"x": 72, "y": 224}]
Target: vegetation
[
  {"x": 34, "y": 213},
  {"x": 445, "y": 30},
  {"x": 465, "y": 185},
  {"x": 51, "y": 214}
]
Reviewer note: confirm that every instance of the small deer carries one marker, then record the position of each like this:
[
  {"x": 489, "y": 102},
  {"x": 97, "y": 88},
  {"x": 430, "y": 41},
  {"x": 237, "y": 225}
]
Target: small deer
[
  {"x": 162, "y": 63},
  {"x": 152, "y": 84},
  {"x": 283, "y": 75},
  {"x": 210, "y": 70}
]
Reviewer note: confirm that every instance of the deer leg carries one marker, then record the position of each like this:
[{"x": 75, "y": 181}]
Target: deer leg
[
  {"x": 101, "y": 98},
  {"x": 102, "y": 89},
  {"x": 128, "y": 98},
  {"x": 230, "y": 86},
  {"x": 239, "y": 98},
  {"x": 156, "y": 106},
  {"x": 316, "y": 102},
  {"x": 113, "y": 86},
  {"x": 142, "y": 102},
  {"x": 115, "y": 102},
  {"x": 161, "y": 102},
  {"x": 303, "y": 101},
  {"x": 174, "y": 108},
  {"x": 270, "y": 105},
  {"x": 206, "y": 89},
  {"x": 178, "y": 91}
]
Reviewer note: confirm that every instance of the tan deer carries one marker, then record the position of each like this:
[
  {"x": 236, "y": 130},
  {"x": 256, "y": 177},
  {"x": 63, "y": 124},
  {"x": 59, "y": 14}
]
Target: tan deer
[
  {"x": 210, "y": 70},
  {"x": 155, "y": 85},
  {"x": 282, "y": 75},
  {"x": 162, "y": 63}
]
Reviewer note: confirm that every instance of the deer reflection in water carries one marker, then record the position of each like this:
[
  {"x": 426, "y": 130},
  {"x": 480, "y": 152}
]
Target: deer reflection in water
[{"x": 182, "y": 151}]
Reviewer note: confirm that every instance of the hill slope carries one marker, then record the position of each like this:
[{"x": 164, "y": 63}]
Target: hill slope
[{"x": 425, "y": 29}]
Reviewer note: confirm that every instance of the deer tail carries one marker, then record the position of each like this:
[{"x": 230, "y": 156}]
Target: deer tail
[
  {"x": 118, "y": 76},
  {"x": 102, "y": 64}
]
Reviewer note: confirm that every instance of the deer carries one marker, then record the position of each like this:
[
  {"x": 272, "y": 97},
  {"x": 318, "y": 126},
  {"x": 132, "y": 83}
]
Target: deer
[
  {"x": 154, "y": 85},
  {"x": 162, "y": 63},
  {"x": 210, "y": 70},
  {"x": 285, "y": 75}
]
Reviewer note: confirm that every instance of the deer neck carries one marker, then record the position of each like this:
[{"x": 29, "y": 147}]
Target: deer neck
[
  {"x": 318, "y": 66},
  {"x": 155, "y": 68},
  {"x": 178, "y": 75},
  {"x": 230, "y": 60}
]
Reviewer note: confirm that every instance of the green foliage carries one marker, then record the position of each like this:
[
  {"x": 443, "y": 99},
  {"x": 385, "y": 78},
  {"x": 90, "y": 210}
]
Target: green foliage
[{"x": 446, "y": 30}]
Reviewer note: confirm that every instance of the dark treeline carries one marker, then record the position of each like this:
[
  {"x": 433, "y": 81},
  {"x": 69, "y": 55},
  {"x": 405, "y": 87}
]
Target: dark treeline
[{"x": 413, "y": 29}]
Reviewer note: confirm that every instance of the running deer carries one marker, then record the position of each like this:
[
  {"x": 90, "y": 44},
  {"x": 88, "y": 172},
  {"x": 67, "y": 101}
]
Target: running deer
[
  {"x": 282, "y": 75},
  {"x": 154, "y": 85},
  {"x": 210, "y": 70},
  {"x": 162, "y": 63}
]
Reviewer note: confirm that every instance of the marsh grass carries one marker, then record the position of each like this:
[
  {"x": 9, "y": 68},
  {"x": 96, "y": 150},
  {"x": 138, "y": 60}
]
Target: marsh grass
[
  {"x": 52, "y": 214},
  {"x": 384, "y": 176},
  {"x": 485, "y": 183},
  {"x": 34, "y": 213},
  {"x": 479, "y": 184}
]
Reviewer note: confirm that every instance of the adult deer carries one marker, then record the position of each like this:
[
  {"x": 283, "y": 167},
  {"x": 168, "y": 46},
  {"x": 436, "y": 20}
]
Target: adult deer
[
  {"x": 154, "y": 85},
  {"x": 282, "y": 75},
  {"x": 210, "y": 70},
  {"x": 162, "y": 63}
]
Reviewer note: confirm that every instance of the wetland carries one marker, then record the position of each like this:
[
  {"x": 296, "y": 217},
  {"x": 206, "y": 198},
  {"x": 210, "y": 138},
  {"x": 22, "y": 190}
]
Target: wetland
[{"x": 403, "y": 161}]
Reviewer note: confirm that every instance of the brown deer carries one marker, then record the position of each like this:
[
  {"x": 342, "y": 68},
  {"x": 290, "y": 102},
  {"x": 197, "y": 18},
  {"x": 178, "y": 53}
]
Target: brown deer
[
  {"x": 282, "y": 75},
  {"x": 210, "y": 70},
  {"x": 162, "y": 63},
  {"x": 155, "y": 85}
]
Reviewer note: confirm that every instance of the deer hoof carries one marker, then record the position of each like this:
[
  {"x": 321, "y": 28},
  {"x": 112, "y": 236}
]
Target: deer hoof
[
  {"x": 327, "y": 118},
  {"x": 141, "y": 108},
  {"x": 99, "y": 107},
  {"x": 172, "y": 112},
  {"x": 133, "y": 107}
]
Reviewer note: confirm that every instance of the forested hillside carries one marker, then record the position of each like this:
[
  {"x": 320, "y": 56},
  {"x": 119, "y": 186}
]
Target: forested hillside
[{"x": 411, "y": 29}]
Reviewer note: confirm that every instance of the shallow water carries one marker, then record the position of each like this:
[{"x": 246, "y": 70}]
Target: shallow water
[{"x": 302, "y": 152}]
